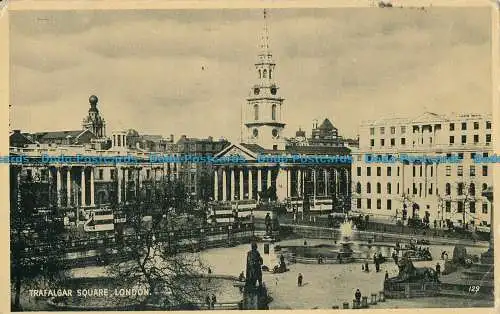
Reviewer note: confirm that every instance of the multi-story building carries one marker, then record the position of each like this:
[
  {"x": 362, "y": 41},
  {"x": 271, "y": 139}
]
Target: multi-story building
[
  {"x": 448, "y": 191},
  {"x": 197, "y": 176}
]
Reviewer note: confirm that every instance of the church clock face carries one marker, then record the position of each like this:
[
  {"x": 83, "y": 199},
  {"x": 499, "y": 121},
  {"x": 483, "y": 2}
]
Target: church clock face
[
  {"x": 255, "y": 132},
  {"x": 274, "y": 90},
  {"x": 256, "y": 90}
]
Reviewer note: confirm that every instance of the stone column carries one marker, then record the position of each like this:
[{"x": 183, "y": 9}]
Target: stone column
[
  {"x": 337, "y": 184},
  {"x": 347, "y": 182},
  {"x": 259, "y": 182},
  {"x": 233, "y": 184},
  {"x": 269, "y": 182},
  {"x": 299, "y": 183},
  {"x": 92, "y": 192},
  {"x": 216, "y": 185},
  {"x": 119, "y": 179},
  {"x": 289, "y": 183},
  {"x": 58, "y": 185},
  {"x": 125, "y": 185},
  {"x": 242, "y": 190},
  {"x": 224, "y": 185},
  {"x": 326, "y": 181},
  {"x": 84, "y": 198},
  {"x": 250, "y": 184},
  {"x": 314, "y": 186},
  {"x": 68, "y": 186}
]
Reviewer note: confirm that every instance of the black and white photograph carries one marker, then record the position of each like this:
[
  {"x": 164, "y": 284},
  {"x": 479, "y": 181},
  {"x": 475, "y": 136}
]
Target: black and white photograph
[{"x": 264, "y": 158}]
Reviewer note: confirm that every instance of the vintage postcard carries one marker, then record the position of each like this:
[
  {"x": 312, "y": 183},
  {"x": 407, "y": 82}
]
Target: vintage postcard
[{"x": 251, "y": 158}]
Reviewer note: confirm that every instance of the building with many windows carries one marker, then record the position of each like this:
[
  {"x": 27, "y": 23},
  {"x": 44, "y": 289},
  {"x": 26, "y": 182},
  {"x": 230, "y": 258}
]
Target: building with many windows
[{"x": 447, "y": 191}]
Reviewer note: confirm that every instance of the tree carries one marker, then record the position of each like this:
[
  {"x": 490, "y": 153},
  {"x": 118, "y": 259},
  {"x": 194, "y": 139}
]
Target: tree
[
  {"x": 153, "y": 262},
  {"x": 30, "y": 267}
]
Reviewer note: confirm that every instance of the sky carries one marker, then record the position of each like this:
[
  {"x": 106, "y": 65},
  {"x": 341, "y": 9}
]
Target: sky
[{"x": 190, "y": 71}]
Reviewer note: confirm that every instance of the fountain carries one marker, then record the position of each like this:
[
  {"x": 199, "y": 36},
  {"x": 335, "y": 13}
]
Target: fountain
[{"x": 345, "y": 252}]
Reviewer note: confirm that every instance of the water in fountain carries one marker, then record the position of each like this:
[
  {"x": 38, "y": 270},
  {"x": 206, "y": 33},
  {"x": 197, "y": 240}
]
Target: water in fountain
[{"x": 345, "y": 231}]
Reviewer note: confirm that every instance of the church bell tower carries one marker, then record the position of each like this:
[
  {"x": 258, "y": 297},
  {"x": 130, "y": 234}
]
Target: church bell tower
[{"x": 263, "y": 114}]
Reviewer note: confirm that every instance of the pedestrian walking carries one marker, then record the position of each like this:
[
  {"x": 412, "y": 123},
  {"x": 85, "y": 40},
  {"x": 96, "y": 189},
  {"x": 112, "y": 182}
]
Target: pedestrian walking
[
  {"x": 299, "y": 280},
  {"x": 214, "y": 300},
  {"x": 438, "y": 269},
  {"x": 209, "y": 270},
  {"x": 357, "y": 296},
  {"x": 386, "y": 275},
  {"x": 209, "y": 302}
]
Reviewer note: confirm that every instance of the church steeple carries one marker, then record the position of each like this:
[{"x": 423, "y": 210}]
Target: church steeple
[{"x": 263, "y": 114}]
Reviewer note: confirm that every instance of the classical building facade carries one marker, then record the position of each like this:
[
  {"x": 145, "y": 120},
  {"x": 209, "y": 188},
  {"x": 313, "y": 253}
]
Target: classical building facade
[
  {"x": 272, "y": 166},
  {"x": 448, "y": 191}
]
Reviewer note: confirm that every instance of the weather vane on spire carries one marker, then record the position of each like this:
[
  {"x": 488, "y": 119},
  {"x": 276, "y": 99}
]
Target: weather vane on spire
[{"x": 265, "y": 34}]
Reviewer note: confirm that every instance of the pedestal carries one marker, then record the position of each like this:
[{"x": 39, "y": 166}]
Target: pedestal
[{"x": 255, "y": 298}]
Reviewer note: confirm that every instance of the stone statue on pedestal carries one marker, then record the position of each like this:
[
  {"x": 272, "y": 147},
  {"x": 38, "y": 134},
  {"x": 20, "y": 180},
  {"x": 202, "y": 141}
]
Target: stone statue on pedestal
[{"x": 254, "y": 267}]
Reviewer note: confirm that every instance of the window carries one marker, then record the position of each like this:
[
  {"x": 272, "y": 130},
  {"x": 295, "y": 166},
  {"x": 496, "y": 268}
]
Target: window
[
  {"x": 414, "y": 189},
  {"x": 414, "y": 171},
  {"x": 452, "y": 139},
  {"x": 358, "y": 171},
  {"x": 382, "y": 130},
  {"x": 464, "y": 139},
  {"x": 432, "y": 170},
  {"x": 476, "y": 138},
  {"x": 372, "y": 131},
  {"x": 403, "y": 129},
  {"x": 358, "y": 203},
  {"x": 379, "y": 203},
  {"x": 369, "y": 203},
  {"x": 379, "y": 171},
  {"x": 448, "y": 171},
  {"x": 382, "y": 142},
  {"x": 464, "y": 125},
  {"x": 393, "y": 130},
  {"x": 389, "y": 204},
  {"x": 393, "y": 141},
  {"x": 273, "y": 112},
  {"x": 460, "y": 170},
  {"x": 148, "y": 174},
  {"x": 448, "y": 189},
  {"x": 264, "y": 74},
  {"x": 397, "y": 188},
  {"x": 476, "y": 125},
  {"x": 460, "y": 207},
  {"x": 448, "y": 206},
  {"x": 472, "y": 171},
  {"x": 256, "y": 112},
  {"x": 460, "y": 188},
  {"x": 372, "y": 142},
  {"x": 112, "y": 174},
  {"x": 358, "y": 188},
  {"x": 101, "y": 174},
  {"x": 485, "y": 186},
  {"x": 430, "y": 189},
  {"x": 452, "y": 126},
  {"x": 488, "y": 138},
  {"x": 472, "y": 189},
  {"x": 379, "y": 188},
  {"x": 420, "y": 170},
  {"x": 488, "y": 125},
  {"x": 403, "y": 141},
  {"x": 389, "y": 171},
  {"x": 485, "y": 208},
  {"x": 472, "y": 155},
  {"x": 398, "y": 171},
  {"x": 389, "y": 188},
  {"x": 485, "y": 171},
  {"x": 461, "y": 156},
  {"x": 368, "y": 188},
  {"x": 368, "y": 171}
]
